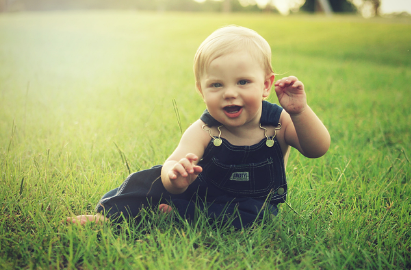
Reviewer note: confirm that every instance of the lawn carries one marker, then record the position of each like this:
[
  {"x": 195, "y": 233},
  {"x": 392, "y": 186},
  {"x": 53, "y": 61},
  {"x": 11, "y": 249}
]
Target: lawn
[{"x": 87, "y": 97}]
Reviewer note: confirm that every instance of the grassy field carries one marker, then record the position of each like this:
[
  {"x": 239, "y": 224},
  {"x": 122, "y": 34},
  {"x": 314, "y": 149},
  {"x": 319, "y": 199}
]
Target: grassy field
[{"x": 74, "y": 85}]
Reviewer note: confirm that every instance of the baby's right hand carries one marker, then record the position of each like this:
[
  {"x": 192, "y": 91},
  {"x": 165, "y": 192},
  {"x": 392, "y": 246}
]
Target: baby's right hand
[{"x": 184, "y": 172}]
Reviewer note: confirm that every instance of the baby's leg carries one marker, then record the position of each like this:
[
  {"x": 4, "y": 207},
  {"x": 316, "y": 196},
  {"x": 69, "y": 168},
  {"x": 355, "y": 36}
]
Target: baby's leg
[
  {"x": 99, "y": 218},
  {"x": 83, "y": 219}
]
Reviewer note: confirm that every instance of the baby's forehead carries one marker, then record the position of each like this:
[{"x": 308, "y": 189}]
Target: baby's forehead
[
  {"x": 254, "y": 55},
  {"x": 251, "y": 57}
]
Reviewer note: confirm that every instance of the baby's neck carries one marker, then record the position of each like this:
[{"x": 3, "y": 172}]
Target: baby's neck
[{"x": 243, "y": 136}]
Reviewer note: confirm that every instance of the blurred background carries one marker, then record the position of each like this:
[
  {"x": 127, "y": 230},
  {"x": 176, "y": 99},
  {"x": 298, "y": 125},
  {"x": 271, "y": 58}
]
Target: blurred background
[{"x": 366, "y": 8}]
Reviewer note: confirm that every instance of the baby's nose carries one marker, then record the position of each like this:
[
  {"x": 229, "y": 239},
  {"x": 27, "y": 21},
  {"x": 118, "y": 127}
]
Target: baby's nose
[{"x": 230, "y": 92}]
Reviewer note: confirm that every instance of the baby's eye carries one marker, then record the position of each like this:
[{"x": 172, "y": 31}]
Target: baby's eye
[
  {"x": 243, "y": 82},
  {"x": 216, "y": 85}
]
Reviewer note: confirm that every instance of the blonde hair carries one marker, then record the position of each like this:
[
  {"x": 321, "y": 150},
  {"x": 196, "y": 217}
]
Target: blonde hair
[{"x": 227, "y": 40}]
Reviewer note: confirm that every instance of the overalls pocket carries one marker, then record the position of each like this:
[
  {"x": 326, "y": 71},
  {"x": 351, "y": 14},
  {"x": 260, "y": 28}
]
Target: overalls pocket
[{"x": 244, "y": 179}]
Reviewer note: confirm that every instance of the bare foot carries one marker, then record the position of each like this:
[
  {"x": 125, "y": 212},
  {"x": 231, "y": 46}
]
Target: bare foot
[
  {"x": 165, "y": 208},
  {"x": 83, "y": 219}
]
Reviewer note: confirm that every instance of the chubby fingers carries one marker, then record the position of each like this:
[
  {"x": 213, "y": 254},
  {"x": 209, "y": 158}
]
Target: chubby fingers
[
  {"x": 287, "y": 81},
  {"x": 192, "y": 158},
  {"x": 289, "y": 85},
  {"x": 188, "y": 163},
  {"x": 184, "y": 167}
]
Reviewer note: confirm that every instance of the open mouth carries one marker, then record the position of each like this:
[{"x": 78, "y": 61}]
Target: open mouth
[{"x": 232, "y": 111}]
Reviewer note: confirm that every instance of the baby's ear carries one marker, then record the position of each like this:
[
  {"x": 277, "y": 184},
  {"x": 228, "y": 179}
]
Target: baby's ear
[{"x": 268, "y": 83}]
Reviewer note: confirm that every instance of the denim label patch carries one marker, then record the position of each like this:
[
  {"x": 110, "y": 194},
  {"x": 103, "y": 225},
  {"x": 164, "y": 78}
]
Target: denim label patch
[{"x": 240, "y": 176}]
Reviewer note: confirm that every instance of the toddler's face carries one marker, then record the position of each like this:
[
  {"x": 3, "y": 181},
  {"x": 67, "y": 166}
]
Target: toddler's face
[{"x": 233, "y": 87}]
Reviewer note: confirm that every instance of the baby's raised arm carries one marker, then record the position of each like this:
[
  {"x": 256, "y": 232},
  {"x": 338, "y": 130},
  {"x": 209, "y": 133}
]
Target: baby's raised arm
[
  {"x": 303, "y": 129},
  {"x": 181, "y": 169}
]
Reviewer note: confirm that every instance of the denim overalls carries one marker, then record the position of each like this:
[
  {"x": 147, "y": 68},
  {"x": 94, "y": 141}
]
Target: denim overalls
[{"x": 236, "y": 184}]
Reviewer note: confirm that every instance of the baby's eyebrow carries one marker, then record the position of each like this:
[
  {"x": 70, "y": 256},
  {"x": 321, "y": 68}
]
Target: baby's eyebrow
[
  {"x": 246, "y": 78},
  {"x": 209, "y": 80}
]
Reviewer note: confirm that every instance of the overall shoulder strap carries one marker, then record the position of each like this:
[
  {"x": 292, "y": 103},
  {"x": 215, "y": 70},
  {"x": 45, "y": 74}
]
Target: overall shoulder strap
[
  {"x": 270, "y": 114},
  {"x": 208, "y": 119}
]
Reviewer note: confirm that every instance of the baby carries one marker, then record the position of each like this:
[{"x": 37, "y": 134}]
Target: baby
[{"x": 231, "y": 162}]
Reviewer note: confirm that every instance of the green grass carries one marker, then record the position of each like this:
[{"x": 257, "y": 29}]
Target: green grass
[{"x": 73, "y": 85}]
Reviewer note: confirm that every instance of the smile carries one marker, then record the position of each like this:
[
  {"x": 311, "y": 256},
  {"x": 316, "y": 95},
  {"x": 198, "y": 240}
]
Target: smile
[{"x": 233, "y": 111}]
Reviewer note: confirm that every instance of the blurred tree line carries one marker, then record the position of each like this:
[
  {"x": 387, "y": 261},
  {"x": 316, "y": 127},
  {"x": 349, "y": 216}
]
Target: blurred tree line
[
  {"x": 344, "y": 6},
  {"x": 175, "y": 5},
  {"x": 159, "y": 5},
  {"x": 336, "y": 6},
  {"x": 310, "y": 6}
]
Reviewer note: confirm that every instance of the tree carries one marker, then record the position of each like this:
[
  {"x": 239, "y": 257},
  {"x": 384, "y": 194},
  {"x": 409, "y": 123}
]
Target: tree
[
  {"x": 376, "y": 5},
  {"x": 364, "y": 5},
  {"x": 336, "y": 6},
  {"x": 227, "y": 6}
]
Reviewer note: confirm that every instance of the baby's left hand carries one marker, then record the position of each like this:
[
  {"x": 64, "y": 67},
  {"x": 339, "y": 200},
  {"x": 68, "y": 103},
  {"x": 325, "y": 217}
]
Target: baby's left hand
[{"x": 291, "y": 95}]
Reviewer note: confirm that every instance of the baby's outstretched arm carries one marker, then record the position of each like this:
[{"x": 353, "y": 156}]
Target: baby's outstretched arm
[
  {"x": 303, "y": 129},
  {"x": 181, "y": 169}
]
